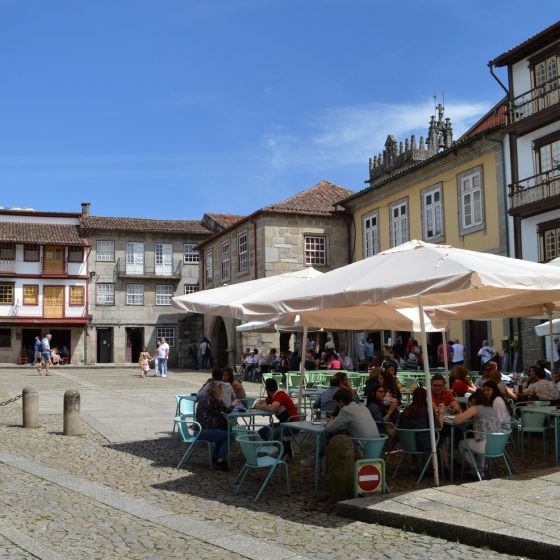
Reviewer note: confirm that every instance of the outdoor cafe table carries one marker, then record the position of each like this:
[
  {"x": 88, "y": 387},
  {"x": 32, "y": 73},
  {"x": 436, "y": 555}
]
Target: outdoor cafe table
[
  {"x": 248, "y": 417},
  {"x": 319, "y": 430},
  {"x": 551, "y": 412},
  {"x": 448, "y": 421},
  {"x": 311, "y": 393}
]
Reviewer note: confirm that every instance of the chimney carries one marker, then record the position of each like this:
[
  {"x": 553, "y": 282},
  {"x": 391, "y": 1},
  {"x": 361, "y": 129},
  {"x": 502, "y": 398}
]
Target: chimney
[{"x": 85, "y": 208}]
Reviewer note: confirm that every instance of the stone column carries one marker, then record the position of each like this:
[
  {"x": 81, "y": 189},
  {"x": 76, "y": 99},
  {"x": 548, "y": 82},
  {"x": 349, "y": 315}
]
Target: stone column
[
  {"x": 30, "y": 408},
  {"x": 71, "y": 412}
]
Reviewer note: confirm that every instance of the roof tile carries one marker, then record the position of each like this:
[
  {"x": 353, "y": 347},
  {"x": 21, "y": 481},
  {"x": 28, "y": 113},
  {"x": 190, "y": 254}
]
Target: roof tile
[
  {"x": 93, "y": 223},
  {"x": 55, "y": 234}
]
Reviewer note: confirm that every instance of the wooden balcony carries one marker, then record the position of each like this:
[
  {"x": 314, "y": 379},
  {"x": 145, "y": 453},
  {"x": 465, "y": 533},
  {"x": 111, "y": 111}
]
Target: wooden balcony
[
  {"x": 535, "y": 194},
  {"x": 533, "y": 101}
]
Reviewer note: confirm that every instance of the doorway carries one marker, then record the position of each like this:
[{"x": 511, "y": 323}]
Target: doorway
[
  {"x": 28, "y": 343},
  {"x": 104, "y": 345},
  {"x": 477, "y": 332},
  {"x": 219, "y": 343},
  {"x": 134, "y": 343}
]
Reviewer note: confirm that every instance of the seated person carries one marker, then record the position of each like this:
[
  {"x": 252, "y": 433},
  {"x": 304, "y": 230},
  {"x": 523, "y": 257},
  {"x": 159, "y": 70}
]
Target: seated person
[
  {"x": 346, "y": 362},
  {"x": 238, "y": 389},
  {"x": 353, "y": 418},
  {"x": 381, "y": 408},
  {"x": 412, "y": 362},
  {"x": 334, "y": 362},
  {"x": 542, "y": 389},
  {"x": 415, "y": 417},
  {"x": 214, "y": 426},
  {"x": 462, "y": 383},
  {"x": 280, "y": 404},
  {"x": 443, "y": 396},
  {"x": 228, "y": 395},
  {"x": 325, "y": 402},
  {"x": 309, "y": 365},
  {"x": 55, "y": 357},
  {"x": 64, "y": 351}
]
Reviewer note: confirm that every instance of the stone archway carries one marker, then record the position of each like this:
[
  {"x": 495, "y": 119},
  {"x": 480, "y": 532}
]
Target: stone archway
[{"x": 219, "y": 343}]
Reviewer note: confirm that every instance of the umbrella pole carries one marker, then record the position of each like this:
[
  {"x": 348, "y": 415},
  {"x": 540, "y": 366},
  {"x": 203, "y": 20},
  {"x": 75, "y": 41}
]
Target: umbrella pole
[
  {"x": 302, "y": 368},
  {"x": 445, "y": 362},
  {"x": 551, "y": 334},
  {"x": 428, "y": 391}
]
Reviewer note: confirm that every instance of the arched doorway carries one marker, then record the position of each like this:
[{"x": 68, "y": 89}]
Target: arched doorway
[{"x": 219, "y": 342}]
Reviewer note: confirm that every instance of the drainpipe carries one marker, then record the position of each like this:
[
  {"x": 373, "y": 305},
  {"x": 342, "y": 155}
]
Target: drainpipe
[
  {"x": 255, "y": 238},
  {"x": 491, "y": 66}
]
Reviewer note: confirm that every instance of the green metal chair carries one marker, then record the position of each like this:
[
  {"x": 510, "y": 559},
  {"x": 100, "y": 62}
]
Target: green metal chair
[
  {"x": 530, "y": 423},
  {"x": 373, "y": 448},
  {"x": 495, "y": 447},
  {"x": 407, "y": 438},
  {"x": 185, "y": 408},
  {"x": 253, "y": 461},
  {"x": 189, "y": 431}
]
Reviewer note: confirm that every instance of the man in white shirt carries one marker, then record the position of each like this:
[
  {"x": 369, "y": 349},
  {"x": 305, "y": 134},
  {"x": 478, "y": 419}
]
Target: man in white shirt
[
  {"x": 329, "y": 345},
  {"x": 486, "y": 353},
  {"x": 163, "y": 354},
  {"x": 457, "y": 353}
]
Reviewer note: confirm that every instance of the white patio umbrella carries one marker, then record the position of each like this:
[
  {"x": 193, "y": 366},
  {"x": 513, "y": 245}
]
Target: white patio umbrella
[{"x": 416, "y": 274}]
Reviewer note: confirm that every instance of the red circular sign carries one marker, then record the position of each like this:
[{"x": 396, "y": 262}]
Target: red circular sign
[{"x": 369, "y": 478}]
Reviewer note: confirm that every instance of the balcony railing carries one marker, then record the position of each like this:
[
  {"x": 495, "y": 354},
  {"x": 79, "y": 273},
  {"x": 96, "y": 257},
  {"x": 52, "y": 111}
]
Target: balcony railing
[
  {"x": 149, "y": 269},
  {"x": 535, "y": 100},
  {"x": 37, "y": 311},
  {"x": 535, "y": 189},
  {"x": 7, "y": 266}
]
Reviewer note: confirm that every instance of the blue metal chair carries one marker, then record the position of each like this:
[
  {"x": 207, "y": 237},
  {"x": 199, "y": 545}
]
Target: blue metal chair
[
  {"x": 185, "y": 408},
  {"x": 250, "y": 449},
  {"x": 532, "y": 422},
  {"x": 495, "y": 447},
  {"x": 407, "y": 438},
  {"x": 189, "y": 431}
]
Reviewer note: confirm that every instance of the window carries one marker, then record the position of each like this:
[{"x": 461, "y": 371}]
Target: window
[
  {"x": 31, "y": 253},
  {"x": 432, "y": 212},
  {"x": 134, "y": 294},
  {"x": 168, "y": 333},
  {"x": 545, "y": 71},
  {"x": 105, "y": 294},
  {"x": 471, "y": 200},
  {"x": 190, "y": 253},
  {"x": 6, "y": 294},
  {"x": 77, "y": 295},
  {"x": 371, "y": 235},
  {"x": 164, "y": 293},
  {"x": 242, "y": 252},
  {"x": 226, "y": 261},
  {"x": 315, "y": 250},
  {"x": 191, "y": 288},
  {"x": 5, "y": 338},
  {"x": 547, "y": 150},
  {"x": 549, "y": 240},
  {"x": 164, "y": 258},
  {"x": 134, "y": 257},
  {"x": 7, "y": 251},
  {"x": 30, "y": 294},
  {"x": 399, "y": 222},
  {"x": 208, "y": 268},
  {"x": 76, "y": 254},
  {"x": 105, "y": 251}
]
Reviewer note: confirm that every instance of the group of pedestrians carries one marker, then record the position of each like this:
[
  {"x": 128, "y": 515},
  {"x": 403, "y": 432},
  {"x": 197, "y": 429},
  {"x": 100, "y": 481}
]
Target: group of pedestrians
[
  {"x": 42, "y": 353},
  {"x": 160, "y": 358}
]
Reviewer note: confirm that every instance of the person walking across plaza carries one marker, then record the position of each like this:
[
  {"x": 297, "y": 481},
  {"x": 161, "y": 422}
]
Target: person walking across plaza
[
  {"x": 45, "y": 355},
  {"x": 37, "y": 351},
  {"x": 486, "y": 353},
  {"x": 163, "y": 355},
  {"x": 457, "y": 353},
  {"x": 144, "y": 362}
]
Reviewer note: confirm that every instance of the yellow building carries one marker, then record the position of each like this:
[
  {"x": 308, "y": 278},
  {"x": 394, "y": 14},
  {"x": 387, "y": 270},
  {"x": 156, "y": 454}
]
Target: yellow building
[{"x": 438, "y": 192}]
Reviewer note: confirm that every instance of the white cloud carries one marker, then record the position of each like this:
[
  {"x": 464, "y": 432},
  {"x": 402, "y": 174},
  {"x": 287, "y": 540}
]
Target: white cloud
[{"x": 351, "y": 135}]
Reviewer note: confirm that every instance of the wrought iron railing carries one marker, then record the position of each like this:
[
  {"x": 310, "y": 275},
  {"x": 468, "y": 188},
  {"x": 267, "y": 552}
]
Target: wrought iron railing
[
  {"x": 533, "y": 101},
  {"x": 149, "y": 269},
  {"x": 534, "y": 189}
]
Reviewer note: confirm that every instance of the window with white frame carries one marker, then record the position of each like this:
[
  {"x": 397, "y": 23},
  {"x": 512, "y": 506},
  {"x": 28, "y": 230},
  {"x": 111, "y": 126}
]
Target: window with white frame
[
  {"x": 399, "y": 222},
  {"x": 208, "y": 268},
  {"x": 7, "y": 294},
  {"x": 549, "y": 240},
  {"x": 135, "y": 294},
  {"x": 315, "y": 250},
  {"x": 105, "y": 294},
  {"x": 226, "y": 261},
  {"x": 371, "y": 234},
  {"x": 432, "y": 212},
  {"x": 168, "y": 333},
  {"x": 471, "y": 198},
  {"x": 164, "y": 293},
  {"x": 190, "y": 253},
  {"x": 242, "y": 252},
  {"x": 191, "y": 288},
  {"x": 105, "y": 251}
]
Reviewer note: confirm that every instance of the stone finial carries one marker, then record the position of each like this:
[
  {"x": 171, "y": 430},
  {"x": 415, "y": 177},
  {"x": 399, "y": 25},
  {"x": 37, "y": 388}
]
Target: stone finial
[
  {"x": 401, "y": 148},
  {"x": 422, "y": 146},
  {"x": 413, "y": 143}
]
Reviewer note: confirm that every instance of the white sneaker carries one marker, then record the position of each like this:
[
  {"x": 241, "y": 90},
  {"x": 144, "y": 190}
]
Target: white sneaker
[{"x": 164, "y": 374}]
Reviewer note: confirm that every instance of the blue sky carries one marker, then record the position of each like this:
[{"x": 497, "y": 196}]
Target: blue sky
[{"x": 173, "y": 108}]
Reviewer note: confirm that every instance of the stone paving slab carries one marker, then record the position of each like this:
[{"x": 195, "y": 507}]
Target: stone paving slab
[{"x": 480, "y": 513}]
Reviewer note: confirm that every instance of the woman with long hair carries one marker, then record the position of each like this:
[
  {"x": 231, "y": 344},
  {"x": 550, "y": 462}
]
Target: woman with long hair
[
  {"x": 500, "y": 405},
  {"x": 415, "y": 417},
  {"x": 382, "y": 409},
  {"x": 462, "y": 383},
  {"x": 391, "y": 383}
]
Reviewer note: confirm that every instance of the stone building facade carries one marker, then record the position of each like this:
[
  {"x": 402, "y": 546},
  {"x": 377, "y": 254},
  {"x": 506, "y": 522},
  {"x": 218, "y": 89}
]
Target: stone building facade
[
  {"x": 308, "y": 229},
  {"x": 136, "y": 267}
]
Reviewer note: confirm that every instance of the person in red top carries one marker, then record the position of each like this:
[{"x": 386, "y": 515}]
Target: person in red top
[
  {"x": 462, "y": 383},
  {"x": 282, "y": 406},
  {"x": 442, "y": 395}
]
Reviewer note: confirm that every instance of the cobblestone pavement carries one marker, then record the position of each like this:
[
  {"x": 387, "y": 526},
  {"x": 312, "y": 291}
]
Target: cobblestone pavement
[{"x": 65, "y": 521}]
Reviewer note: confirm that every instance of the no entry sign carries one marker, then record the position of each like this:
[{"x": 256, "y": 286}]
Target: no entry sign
[{"x": 368, "y": 476}]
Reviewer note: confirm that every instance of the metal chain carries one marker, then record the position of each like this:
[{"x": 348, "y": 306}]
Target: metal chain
[{"x": 11, "y": 400}]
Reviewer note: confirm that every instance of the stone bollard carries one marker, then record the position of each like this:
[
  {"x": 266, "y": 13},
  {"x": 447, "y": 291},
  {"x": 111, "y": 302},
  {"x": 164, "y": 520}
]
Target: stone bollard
[
  {"x": 30, "y": 407},
  {"x": 71, "y": 412},
  {"x": 340, "y": 467}
]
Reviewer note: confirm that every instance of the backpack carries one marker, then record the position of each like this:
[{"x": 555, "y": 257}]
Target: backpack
[{"x": 40, "y": 346}]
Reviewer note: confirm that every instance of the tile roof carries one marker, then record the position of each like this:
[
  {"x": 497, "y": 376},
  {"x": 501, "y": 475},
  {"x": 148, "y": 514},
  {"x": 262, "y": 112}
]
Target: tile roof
[
  {"x": 225, "y": 220},
  {"x": 98, "y": 223},
  {"x": 321, "y": 198},
  {"x": 55, "y": 234},
  {"x": 531, "y": 45}
]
